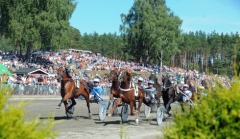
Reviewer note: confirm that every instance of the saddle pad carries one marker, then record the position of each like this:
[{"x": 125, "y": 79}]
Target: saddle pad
[
  {"x": 135, "y": 90},
  {"x": 76, "y": 83}
]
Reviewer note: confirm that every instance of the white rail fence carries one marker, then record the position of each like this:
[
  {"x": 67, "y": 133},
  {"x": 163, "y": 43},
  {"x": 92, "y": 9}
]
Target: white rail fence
[{"x": 35, "y": 89}]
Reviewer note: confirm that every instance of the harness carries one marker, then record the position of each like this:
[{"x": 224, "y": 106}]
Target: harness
[{"x": 134, "y": 87}]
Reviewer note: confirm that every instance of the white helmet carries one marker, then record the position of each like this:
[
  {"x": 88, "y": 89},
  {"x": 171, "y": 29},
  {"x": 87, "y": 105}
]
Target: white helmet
[
  {"x": 150, "y": 82},
  {"x": 96, "y": 80},
  {"x": 186, "y": 85},
  {"x": 140, "y": 79}
]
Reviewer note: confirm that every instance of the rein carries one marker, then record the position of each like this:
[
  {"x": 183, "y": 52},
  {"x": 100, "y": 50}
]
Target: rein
[
  {"x": 188, "y": 98},
  {"x": 91, "y": 89}
]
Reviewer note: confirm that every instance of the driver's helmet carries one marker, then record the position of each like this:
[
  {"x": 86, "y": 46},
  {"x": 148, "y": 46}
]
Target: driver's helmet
[
  {"x": 96, "y": 80},
  {"x": 186, "y": 85},
  {"x": 140, "y": 79},
  {"x": 150, "y": 82}
]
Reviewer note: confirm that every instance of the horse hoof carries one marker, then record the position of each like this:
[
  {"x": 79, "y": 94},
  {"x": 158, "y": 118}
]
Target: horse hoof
[
  {"x": 137, "y": 121},
  {"x": 58, "y": 107},
  {"x": 166, "y": 115},
  {"x": 110, "y": 115}
]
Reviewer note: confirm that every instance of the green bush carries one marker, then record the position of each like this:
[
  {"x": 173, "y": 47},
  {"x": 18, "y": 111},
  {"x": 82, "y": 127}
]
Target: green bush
[
  {"x": 217, "y": 116},
  {"x": 13, "y": 125}
]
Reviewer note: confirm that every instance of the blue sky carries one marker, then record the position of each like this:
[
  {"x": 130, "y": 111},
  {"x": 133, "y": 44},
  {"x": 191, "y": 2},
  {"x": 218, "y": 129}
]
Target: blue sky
[{"x": 103, "y": 16}]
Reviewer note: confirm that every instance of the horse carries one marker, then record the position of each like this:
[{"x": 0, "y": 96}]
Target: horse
[
  {"x": 113, "y": 77},
  {"x": 157, "y": 86},
  {"x": 126, "y": 93},
  {"x": 70, "y": 91},
  {"x": 170, "y": 95}
]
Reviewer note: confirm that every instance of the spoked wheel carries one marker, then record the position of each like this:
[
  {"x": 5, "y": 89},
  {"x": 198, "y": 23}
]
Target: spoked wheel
[
  {"x": 160, "y": 114},
  {"x": 69, "y": 115},
  {"x": 147, "y": 110},
  {"x": 115, "y": 111},
  {"x": 102, "y": 110},
  {"x": 124, "y": 113}
]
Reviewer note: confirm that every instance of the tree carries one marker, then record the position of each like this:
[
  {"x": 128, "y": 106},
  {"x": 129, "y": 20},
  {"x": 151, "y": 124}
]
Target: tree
[
  {"x": 151, "y": 30},
  {"x": 5, "y": 44},
  {"x": 37, "y": 23}
]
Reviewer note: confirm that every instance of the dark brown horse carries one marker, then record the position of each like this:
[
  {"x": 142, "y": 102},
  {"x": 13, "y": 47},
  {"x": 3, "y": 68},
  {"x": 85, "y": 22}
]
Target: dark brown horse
[
  {"x": 170, "y": 94},
  {"x": 70, "y": 91},
  {"x": 157, "y": 86},
  {"x": 173, "y": 93},
  {"x": 128, "y": 93}
]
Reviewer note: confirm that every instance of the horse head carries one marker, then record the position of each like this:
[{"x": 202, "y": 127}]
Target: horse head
[
  {"x": 62, "y": 73},
  {"x": 124, "y": 76},
  {"x": 166, "y": 82},
  {"x": 113, "y": 76}
]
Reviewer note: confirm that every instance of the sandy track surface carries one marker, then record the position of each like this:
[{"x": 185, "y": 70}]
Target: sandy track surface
[{"x": 81, "y": 127}]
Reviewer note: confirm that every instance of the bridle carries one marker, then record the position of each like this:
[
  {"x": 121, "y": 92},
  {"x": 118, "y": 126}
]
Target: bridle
[
  {"x": 60, "y": 76},
  {"x": 113, "y": 76}
]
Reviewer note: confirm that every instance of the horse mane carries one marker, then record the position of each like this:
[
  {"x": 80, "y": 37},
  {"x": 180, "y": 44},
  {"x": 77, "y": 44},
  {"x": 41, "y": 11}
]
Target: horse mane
[{"x": 67, "y": 72}]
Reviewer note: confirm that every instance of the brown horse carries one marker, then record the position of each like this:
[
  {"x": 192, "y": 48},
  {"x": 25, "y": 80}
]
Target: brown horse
[
  {"x": 70, "y": 91},
  {"x": 114, "y": 88},
  {"x": 127, "y": 94}
]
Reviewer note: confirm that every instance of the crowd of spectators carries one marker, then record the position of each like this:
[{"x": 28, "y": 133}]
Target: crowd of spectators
[{"x": 51, "y": 61}]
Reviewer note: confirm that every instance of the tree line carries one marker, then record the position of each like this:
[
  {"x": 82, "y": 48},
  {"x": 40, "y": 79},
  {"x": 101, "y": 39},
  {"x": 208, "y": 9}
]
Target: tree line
[{"x": 150, "y": 33}]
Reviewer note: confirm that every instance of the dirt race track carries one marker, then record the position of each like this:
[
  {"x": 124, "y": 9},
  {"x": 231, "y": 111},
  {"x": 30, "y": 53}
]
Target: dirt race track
[{"x": 81, "y": 127}]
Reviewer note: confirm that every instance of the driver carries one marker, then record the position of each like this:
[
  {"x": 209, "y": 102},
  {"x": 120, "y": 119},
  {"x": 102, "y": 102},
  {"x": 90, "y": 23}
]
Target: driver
[
  {"x": 151, "y": 91},
  {"x": 187, "y": 92},
  {"x": 140, "y": 82},
  {"x": 97, "y": 90}
]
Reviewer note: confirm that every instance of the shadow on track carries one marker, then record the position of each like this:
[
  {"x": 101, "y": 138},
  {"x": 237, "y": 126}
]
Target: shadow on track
[{"x": 65, "y": 118}]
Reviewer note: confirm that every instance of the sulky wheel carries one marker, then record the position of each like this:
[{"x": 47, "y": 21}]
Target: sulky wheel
[
  {"x": 102, "y": 110},
  {"x": 160, "y": 114}
]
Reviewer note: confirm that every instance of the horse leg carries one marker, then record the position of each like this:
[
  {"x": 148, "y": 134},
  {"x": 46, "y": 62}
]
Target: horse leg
[
  {"x": 59, "y": 105},
  {"x": 140, "y": 101},
  {"x": 110, "y": 102},
  {"x": 73, "y": 103},
  {"x": 66, "y": 97},
  {"x": 119, "y": 100},
  {"x": 137, "y": 117},
  {"x": 66, "y": 106},
  {"x": 131, "y": 109},
  {"x": 168, "y": 105}
]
